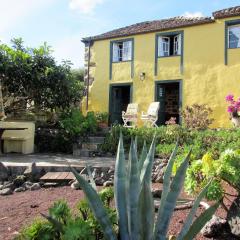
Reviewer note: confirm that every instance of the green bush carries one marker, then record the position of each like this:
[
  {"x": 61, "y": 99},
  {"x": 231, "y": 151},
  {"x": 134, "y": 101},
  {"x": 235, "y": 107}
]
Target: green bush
[
  {"x": 209, "y": 140},
  {"x": 76, "y": 125}
]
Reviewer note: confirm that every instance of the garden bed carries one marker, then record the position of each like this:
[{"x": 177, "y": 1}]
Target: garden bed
[{"x": 21, "y": 208}]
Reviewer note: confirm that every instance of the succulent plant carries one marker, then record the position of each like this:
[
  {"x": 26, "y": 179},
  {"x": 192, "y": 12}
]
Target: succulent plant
[{"x": 134, "y": 201}]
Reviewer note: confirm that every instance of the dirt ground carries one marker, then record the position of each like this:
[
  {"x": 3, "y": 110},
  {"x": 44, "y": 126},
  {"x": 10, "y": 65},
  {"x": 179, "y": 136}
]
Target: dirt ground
[{"x": 20, "y": 209}]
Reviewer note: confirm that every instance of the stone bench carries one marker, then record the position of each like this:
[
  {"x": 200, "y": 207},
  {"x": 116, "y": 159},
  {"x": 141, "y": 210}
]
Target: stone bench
[{"x": 18, "y": 141}]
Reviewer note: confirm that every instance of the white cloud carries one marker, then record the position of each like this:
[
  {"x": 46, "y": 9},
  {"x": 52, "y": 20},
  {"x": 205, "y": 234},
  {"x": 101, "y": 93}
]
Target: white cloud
[
  {"x": 193, "y": 14},
  {"x": 84, "y": 6},
  {"x": 14, "y": 12},
  {"x": 70, "y": 48}
]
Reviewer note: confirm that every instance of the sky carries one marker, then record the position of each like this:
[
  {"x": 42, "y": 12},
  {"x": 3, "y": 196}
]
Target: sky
[{"x": 63, "y": 23}]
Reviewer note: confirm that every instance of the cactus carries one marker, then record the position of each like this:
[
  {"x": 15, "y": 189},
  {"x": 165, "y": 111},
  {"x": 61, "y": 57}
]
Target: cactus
[{"x": 134, "y": 201}]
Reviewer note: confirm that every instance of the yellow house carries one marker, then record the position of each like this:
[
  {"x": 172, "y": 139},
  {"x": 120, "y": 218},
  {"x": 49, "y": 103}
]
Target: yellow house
[{"x": 177, "y": 61}]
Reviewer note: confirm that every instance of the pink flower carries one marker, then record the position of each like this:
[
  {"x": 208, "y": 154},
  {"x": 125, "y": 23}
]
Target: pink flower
[
  {"x": 231, "y": 109},
  {"x": 229, "y": 98}
]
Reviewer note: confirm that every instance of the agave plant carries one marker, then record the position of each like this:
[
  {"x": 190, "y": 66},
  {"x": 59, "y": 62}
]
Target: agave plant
[{"x": 134, "y": 202}]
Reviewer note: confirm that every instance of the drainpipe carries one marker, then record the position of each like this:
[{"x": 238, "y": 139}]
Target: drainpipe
[{"x": 88, "y": 73}]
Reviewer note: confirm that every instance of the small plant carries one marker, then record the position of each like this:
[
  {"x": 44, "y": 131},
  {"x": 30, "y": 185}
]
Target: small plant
[
  {"x": 226, "y": 168},
  {"x": 197, "y": 117},
  {"x": 134, "y": 201},
  {"x": 101, "y": 117}
]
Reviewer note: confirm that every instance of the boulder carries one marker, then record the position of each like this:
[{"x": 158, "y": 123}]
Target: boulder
[
  {"x": 8, "y": 185},
  {"x": 157, "y": 193},
  {"x": 4, "y": 172},
  {"x": 75, "y": 185},
  {"x": 233, "y": 217},
  {"x": 27, "y": 185},
  {"x": 20, "y": 189},
  {"x": 35, "y": 186},
  {"x": 6, "y": 191},
  {"x": 99, "y": 181},
  {"x": 216, "y": 228},
  {"x": 108, "y": 184}
]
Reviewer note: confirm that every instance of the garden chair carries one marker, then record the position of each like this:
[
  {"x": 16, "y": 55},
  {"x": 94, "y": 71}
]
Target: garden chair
[
  {"x": 130, "y": 116},
  {"x": 152, "y": 114}
]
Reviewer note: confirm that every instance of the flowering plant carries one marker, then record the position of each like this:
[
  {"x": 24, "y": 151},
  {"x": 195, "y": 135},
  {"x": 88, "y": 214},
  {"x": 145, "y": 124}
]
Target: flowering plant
[{"x": 234, "y": 106}]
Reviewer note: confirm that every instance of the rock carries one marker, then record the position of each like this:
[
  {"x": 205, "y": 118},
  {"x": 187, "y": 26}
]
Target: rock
[
  {"x": 157, "y": 193},
  {"x": 1, "y": 187},
  {"x": 27, "y": 185},
  {"x": 216, "y": 227},
  {"x": 6, "y": 191},
  {"x": 35, "y": 186},
  {"x": 108, "y": 183},
  {"x": 8, "y": 185},
  {"x": 4, "y": 173},
  {"x": 99, "y": 181},
  {"x": 20, "y": 189},
  {"x": 19, "y": 180},
  {"x": 32, "y": 172},
  {"x": 75, "y": 185},
  {"x": 233, "y": 217}
]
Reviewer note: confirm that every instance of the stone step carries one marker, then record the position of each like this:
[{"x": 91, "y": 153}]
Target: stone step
[
  {"x": 90, "y": 146},
  {"x": 97, "y": 140}
]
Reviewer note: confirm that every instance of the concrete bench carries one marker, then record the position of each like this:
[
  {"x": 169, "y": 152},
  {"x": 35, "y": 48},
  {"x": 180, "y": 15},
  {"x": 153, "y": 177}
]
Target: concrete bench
[{"x": 18, "y": 141}]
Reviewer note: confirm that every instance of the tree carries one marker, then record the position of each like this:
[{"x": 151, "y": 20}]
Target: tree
[{"x": 31, "y": 77}]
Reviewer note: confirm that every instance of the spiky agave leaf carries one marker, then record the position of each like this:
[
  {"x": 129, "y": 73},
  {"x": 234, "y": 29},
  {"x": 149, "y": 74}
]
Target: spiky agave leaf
[
  {"x": 133, "y": 193},
  {"x": 192, "y": 213},
  {"x": 142, "y": 156},
  {"x": 120, "y": 191},
  {"x": 164, "y": 217},
  {"x": 96, "y": 206},
  {"x": 166, "y": 184},
  {"x": 146, "y": 172},
  {"x": 200, "y": 222},
  {"x": 146, "y": 212}
]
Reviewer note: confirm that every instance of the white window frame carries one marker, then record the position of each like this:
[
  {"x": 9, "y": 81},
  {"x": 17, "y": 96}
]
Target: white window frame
[
  {"x": 123, "y": 53},
  {"x": 229, "y": 42},
  {"x": 177, "y": 45},
  {"x": 163, "y": 46}
]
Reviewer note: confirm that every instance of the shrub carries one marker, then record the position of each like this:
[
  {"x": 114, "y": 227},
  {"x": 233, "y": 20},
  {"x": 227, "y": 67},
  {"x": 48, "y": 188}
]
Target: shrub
[
  {"x": 101, "y": 117},
  {"x": 75, "y": 124},
  {"x": 62, "y": 225},
  {"x": 226, "y": 168},
  {"x": 197, "y": 117}
]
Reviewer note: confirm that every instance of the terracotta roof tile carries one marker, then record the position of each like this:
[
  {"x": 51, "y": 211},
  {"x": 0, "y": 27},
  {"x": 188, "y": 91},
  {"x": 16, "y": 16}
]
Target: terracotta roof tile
[
  {"x": 228, "y": 12},
  {"x": 151, "y": 26},
  {"x": 164, "y": 24}
]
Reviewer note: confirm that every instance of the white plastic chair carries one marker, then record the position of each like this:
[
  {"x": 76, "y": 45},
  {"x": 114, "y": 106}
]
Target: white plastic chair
[
  {"x": 152, "y": 114},
  {"x": 130, "y": 116}
]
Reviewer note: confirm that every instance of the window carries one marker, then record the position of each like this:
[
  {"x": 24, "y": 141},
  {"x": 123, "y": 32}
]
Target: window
[
  {"x": 122, "y": 51},
  {"x": 234, "y": 36},
  {"x": 169, "y": 45}
]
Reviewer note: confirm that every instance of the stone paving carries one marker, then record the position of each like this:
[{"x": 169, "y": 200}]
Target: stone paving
[{"x": 55, "y": 160}]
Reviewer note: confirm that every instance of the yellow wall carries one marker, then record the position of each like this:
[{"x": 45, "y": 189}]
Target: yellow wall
[{"x": 206, "y": 79}]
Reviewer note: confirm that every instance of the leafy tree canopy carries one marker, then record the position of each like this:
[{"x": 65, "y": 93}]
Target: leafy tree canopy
[{"x": 31, "y": 77}]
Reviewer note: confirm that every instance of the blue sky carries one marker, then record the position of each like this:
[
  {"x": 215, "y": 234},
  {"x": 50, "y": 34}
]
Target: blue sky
[{"x": 63, "y": 23}]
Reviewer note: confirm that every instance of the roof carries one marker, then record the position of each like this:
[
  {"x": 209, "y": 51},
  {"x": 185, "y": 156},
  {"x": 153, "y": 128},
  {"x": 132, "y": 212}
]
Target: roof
[
  {"x": 164, "y": 24},
  {"x": 227, "y": 12}
]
